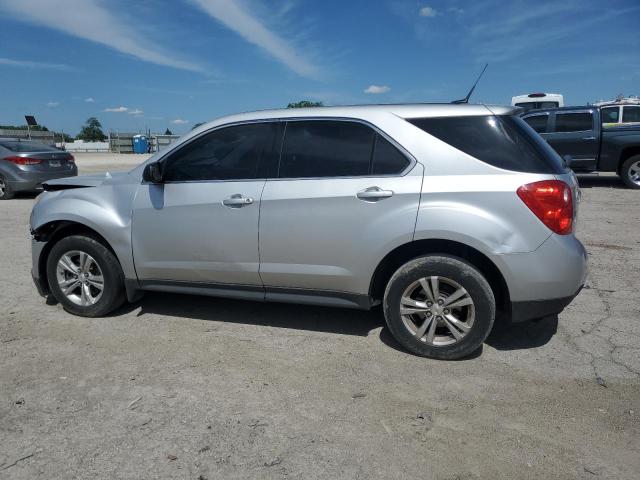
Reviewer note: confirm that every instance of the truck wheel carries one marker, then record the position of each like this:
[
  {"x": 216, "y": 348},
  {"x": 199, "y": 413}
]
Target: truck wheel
[
  {"x": 439, "y": 306},
  {"x": 630, "y": 172},
  {"x": 85, "y": 276},
  {"x": 5, "y": 190}
]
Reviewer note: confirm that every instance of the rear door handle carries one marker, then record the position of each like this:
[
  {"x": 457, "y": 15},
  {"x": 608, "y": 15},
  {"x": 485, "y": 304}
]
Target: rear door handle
[
  {"x": 237, "y": 200},
  {"x": 588, "y": 138},
  {"x": 373, "y": 194}
]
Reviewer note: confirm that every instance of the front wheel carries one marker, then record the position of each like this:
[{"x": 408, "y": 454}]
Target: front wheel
[
  {"x": 630, "y": 172},
  {"x": 85, "y": 276},
  {"x": 439, "y": 306}
]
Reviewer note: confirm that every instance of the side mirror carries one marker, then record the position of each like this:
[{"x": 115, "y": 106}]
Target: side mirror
[
  {"x": 568, "y": 159},
  {"x": 152, "y": 173}
]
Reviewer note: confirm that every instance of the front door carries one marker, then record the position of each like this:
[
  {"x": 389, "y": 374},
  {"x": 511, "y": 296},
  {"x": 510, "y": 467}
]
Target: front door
[{"x": 200, "y": 224}]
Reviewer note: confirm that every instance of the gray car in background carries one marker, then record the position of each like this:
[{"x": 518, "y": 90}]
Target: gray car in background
[
  {"x": 449, "y": 216},
  {"x": 26, "y": 164}
]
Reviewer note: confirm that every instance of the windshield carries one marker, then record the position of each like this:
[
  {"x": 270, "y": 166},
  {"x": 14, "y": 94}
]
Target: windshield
[{"x": 535, "y": 105}]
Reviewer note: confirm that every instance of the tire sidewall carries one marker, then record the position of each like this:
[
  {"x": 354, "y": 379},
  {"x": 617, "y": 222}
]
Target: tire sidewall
[
  {"x": 112, "y": 295},
  {"x": 461, "y": 272},
  {"x": 624, "y": 172}
]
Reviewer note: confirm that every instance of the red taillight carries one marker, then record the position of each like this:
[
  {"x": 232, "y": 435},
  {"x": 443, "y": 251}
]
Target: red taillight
[
  {"x": 23, "y": 160},
  {"x": 70, "y": 158},
  {"x": 552, "y": 202}
]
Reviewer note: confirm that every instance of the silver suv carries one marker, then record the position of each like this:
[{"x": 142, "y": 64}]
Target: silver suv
[{"x": 447, "y": 215}]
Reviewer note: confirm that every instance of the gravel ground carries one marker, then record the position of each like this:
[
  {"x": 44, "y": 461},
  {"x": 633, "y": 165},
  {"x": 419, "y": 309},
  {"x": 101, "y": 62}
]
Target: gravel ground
[{"x": 190, "y": 387}]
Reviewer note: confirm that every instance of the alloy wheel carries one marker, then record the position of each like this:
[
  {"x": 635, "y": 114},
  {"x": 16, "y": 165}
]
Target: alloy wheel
[
  {"x": 80, "y": 278},
  {"x": 437, "y": 310},
  {"x": 634, "y": 172}
]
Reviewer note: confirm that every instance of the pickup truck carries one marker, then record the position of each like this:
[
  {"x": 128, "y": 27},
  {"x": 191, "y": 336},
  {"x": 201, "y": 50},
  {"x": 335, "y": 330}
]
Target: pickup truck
[{"x": 578, "y": 132}]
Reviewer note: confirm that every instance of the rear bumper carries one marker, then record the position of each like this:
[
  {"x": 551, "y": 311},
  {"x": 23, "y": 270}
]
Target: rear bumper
[
  {"x": 557, "y": 269},
  {"x": 534, "y": 309}
]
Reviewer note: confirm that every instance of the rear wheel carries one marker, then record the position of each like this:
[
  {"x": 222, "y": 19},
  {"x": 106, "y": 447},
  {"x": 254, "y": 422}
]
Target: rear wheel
[
  {"x": 630, "y": 172},
  {"x": 5, "y": 190},
  {"x": 439, "y": 306},
  {"x": 85, "y": 276}
]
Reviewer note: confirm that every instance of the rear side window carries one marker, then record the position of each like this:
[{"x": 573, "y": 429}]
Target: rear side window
[
  {"x": 537, "y": 122},
  {"x": 326, "y": 149},
  {"x": 574, "y": 122},
  {"x": 503, "y": 141},
  {"x": 27, "y": 146},
  {"x": 630, "y": 114}
]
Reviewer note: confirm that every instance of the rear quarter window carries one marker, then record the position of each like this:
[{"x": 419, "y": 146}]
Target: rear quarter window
[{"x": 503, "y": 141}]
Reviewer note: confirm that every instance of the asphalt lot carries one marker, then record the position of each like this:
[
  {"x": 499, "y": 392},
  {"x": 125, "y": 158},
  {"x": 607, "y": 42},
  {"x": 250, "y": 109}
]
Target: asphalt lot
[{"x": 190, "y": 387}]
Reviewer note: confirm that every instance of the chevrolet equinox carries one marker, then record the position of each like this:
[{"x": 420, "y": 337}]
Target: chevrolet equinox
[{"x": 449, "y": 216}]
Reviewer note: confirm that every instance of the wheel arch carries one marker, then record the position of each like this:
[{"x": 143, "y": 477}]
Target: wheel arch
[
  {"x": 52, "y": 232},
  {"x": 408, "y": 251},
  {"x": 626, "y": 154}
]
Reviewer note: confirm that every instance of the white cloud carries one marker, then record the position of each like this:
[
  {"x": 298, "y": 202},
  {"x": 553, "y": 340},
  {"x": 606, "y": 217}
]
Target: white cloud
[
  {"x": 53, "y": 104},
  {"x": 428, "y": 12},
  {"x": 136, "y": 112},
  {"x": 179, "y": 121},
  {"x": 35, "y": 65},
  {"x": 376, "y": 89},
  {"x": 89, "y": 100},
  {"x": 240, "y": 19},
  {"x": 91, "y": 20},
  {"x": 116, "y": 109}
]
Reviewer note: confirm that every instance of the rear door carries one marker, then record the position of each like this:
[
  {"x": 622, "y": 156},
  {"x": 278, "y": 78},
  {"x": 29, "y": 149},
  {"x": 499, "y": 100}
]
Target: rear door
[
  {"x": 575, "y": 133},
  {"x": 345, "y": 196}
]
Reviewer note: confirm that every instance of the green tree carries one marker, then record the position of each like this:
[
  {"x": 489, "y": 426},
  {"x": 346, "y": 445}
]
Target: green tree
[
  {"x": 305, "y": 104},
  {"x": 92, "y": 131},
  {"x": 168, "y": 132}
]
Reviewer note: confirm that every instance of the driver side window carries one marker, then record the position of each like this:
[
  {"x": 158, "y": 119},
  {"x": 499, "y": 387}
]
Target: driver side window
[{"x": 231, "y": 153}]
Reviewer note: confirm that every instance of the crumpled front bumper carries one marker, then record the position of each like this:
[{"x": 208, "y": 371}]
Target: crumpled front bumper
[{"x": 36, "y": 252}]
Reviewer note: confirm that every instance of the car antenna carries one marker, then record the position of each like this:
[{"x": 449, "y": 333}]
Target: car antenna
[{"x": 466, "y": 99}]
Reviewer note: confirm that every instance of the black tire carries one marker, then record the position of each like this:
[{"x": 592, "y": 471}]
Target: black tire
[
  {"x": 625, "y": 174},
  {"x": 113, "y": 294},
  {"x": 5, "y": 190},
  {"x": 448, "y": 268}
]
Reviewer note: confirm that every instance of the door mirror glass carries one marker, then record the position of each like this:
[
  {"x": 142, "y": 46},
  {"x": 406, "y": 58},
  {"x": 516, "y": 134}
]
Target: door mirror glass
[{"x": 152, "y": 173}]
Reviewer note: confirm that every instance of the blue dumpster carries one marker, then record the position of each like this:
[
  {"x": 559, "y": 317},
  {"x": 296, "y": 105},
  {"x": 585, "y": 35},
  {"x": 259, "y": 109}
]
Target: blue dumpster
[{"x": 140, "y": 144}]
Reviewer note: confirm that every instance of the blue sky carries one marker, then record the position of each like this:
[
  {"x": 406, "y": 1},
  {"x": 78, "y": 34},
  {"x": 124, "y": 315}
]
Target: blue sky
[{"x": 171, "y": 63}]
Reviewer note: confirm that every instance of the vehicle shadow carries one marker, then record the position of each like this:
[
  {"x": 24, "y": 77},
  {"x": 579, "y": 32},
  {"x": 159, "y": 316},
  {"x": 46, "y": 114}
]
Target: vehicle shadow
[
  {"x": 340, "y": 321},
  {"x": 590, "y": 181},
  {"x": 521, "y": 336},
  {"x": 281, "y": 315}
]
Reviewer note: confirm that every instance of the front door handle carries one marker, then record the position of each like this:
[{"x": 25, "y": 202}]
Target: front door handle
[
  {"x": 588, "y": 138},
  {"x": 237, "y": 200},
  {"x": 373, "y": 194}
]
